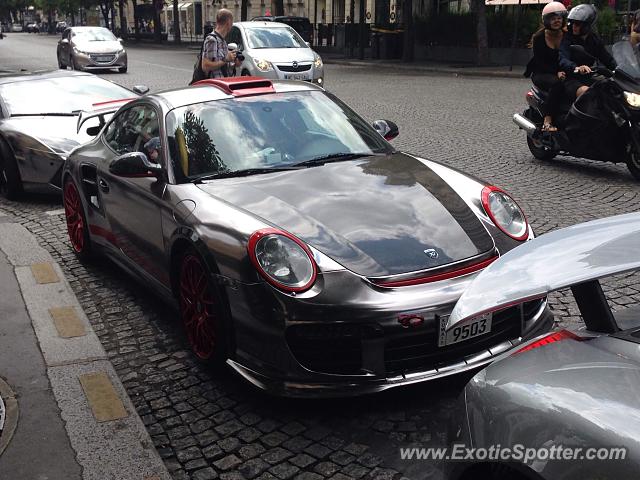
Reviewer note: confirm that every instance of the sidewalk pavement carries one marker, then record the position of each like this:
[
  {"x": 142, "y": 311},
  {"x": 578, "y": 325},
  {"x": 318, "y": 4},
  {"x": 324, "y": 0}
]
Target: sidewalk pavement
[{"x": 68, "y": 416}]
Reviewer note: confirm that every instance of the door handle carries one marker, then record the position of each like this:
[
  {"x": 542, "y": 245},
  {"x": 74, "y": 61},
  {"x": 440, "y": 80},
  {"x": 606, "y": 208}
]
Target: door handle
[{"x": 104, "y": 186}]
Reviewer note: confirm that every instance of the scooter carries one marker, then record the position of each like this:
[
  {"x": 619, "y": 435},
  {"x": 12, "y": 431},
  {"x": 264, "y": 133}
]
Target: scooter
[{"x": 602, "y": 124}]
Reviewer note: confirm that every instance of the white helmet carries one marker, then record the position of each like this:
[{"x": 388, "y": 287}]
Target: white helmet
[{"x": 550, "y": 10}]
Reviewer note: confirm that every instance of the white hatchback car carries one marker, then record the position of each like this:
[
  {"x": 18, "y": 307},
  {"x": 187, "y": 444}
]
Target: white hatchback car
[{"x": 276, "y": 51}]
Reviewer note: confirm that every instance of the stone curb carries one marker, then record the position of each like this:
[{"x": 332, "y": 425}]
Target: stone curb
[{"x": 104, "y": 429}]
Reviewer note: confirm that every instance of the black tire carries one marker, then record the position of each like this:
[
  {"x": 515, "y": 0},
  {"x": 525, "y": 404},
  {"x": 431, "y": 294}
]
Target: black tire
[
  {"x": 123, "y": 69},
  {"x": 77, "y": 226},
  {"x": 539, "y": 152},
  {"x": 61, "y": 65},
  {"x": 216, "y": 318},
  {"x": 73, "y": 64},
  {"x": 633, "y": 164},
  {"x": 10, "y": 181}
]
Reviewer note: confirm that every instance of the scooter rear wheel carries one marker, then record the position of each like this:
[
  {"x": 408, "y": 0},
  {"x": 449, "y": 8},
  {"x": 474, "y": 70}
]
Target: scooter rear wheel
[{"x": 540, "y": 152}]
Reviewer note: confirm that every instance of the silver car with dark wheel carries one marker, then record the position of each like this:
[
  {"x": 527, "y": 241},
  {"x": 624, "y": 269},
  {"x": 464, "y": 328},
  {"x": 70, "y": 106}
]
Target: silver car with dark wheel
[{"x": 91, "y": 48}]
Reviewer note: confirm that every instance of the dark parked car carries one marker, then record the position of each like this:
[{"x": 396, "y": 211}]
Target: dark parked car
[
  {"x": 302, "y": 25},
  {"x": 33, "y": 28},
  {"x": 43, "y": 116},
  {"x": 61, "y": 27},
  {"x": 299, "y": 245},
  {"x": 572, "y": 392}
]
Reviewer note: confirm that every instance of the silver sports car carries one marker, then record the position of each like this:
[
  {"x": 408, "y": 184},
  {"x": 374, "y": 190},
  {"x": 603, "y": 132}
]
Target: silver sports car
[
  {"x": 43, "y": 116},
  {"x": 300, "y": 246},
  {"x": 565, "y": 405}
]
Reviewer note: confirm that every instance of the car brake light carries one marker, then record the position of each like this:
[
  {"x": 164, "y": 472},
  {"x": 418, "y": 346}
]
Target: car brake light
[{"x": 552, "y": 338}]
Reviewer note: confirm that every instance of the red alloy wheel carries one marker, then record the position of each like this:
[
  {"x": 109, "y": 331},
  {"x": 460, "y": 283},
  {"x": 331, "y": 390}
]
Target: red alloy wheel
[
  {"x": 198, "y": 307},
  {"x": 73, "y": 213}
]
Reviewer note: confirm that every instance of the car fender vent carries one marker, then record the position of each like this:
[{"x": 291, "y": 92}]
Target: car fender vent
[{"x": 240, "y": 86}]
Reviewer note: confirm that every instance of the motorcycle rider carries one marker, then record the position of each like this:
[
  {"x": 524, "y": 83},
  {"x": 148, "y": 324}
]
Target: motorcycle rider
[
  {"x": 544, "y": 66},
  {"x": 581, "y": 21}
]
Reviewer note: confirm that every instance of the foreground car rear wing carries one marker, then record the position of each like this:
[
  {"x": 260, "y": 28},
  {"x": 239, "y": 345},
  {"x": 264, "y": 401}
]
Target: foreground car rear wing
[{"x": 574, "y": 257}]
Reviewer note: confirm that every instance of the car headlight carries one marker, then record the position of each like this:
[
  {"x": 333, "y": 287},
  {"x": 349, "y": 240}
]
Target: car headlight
[
  {"x": 505, "y": 213},
  {"x": 263, "y": 65},
  {"x": 77, "y": 50},
  {"x": 317, "y": 62},
  {"x": 633, "y": 99},
  {"x": 282, "y": 259}
]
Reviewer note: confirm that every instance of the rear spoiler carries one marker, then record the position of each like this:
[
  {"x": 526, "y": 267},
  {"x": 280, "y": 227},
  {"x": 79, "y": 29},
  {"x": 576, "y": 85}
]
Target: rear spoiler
[
  {"x": 105, "y": 108},
  {"x": 576, "y": 257}
]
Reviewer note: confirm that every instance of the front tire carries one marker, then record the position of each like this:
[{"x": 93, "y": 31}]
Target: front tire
[
  {"x": 123, "y": 69},
  {"x": 10, "y": 181},
  {"x": 540, "y": 152},
  {"x": 61, "y": 65},
  {"x": 201, "y": 309},
  {"x": 633, "y": 164},
  {"x": 77, "y": 225}
]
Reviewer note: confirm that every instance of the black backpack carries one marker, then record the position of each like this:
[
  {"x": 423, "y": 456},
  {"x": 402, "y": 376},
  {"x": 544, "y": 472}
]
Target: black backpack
[{"x": 198, "y": 73}]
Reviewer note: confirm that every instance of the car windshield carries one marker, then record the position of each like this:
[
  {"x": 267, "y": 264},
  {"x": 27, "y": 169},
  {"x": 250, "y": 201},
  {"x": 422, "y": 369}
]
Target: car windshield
[
  {"x": 94, "y": 35},
  {"x": 627, "y": 58},
  {"x": 59, "y": 95},
  {"x": 267, "y": 131},
  {"x": 274, "y": 37}
]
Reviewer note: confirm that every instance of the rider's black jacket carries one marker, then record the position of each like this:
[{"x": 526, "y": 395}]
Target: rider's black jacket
[{"x": 594, "y": 46}]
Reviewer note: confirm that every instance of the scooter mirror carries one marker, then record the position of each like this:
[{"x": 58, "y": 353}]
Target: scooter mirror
[{"x": 580, "y": 56}]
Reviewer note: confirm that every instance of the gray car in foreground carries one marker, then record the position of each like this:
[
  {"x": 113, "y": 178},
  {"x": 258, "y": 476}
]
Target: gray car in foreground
[
  {"x": 565, "y": 405},
  {"x": 300, "y": 246}
]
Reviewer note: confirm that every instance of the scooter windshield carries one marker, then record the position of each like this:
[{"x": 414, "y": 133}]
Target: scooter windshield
[{"x": 628, "y": 58}]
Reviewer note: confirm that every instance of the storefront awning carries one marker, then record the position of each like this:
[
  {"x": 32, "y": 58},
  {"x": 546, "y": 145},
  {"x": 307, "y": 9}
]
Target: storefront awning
[
  {"x": 184, "y": 6},
  {"x": 495, "y": 3}
]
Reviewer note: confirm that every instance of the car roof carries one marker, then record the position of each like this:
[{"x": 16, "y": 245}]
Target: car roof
[
  {"x": 260, "y": 23},
  {"x": 180, "y": 97},
  {"x": 12, "y": 76}
]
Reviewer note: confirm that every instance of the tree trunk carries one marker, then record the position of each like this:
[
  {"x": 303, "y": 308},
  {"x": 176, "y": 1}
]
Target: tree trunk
[
  {"x": 50, "y": 25},
  {"x": 244, "y": 7},
  {"x": 279, "y": 4},
  {"x": 73, "y": 18},
  {"x": 157, "y": 26},
  {"x": 481, "y": 32},
  {"x": 123, "y": 20},
  {"x": 351, "y": 26},
  {"x": 408, "y": 38},
  {"x": 176, "y": 22},
  {"x": 104, "y": 9},
  {"x": 136, "y": 21},
  {"x": 362, "y": 32}
]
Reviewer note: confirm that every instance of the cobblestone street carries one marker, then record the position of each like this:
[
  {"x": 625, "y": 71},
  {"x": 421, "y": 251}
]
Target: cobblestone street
[{"x": 210, "y": 424}]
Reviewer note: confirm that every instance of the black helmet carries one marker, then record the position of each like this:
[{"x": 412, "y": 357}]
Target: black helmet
[{"x": 584, "y": 13}]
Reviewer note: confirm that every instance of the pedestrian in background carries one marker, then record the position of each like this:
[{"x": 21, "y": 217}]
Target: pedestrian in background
[{"x": 216, "y": 57}]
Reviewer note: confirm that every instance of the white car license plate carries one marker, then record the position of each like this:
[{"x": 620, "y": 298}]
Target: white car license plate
[
  {"x": 104, "y": 59},
  {"x": 460, "y": 333},
  {"x": 296, "y": 76}
]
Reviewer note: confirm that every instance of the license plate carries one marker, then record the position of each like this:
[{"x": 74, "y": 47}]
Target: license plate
[
  {"x": 296, "y": 76},
  {"x": 461, "y": 333},
  {"x": 104, "y": 59}
]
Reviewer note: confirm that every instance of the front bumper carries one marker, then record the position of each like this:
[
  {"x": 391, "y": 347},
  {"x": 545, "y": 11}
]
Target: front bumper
[
  {"x": 306, "y": 72},
  {"x": 97, "y": 61},
  {"x": 358, "y": 347}
]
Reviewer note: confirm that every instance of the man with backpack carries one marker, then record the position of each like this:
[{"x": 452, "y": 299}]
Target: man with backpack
[{"x": 215, "y": 58}]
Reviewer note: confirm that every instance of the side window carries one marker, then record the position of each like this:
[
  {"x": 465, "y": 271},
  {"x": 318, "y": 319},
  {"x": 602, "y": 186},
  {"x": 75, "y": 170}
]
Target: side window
[
  {"x": 132, "y": 129},
  {"x": 235, "y": 37}
]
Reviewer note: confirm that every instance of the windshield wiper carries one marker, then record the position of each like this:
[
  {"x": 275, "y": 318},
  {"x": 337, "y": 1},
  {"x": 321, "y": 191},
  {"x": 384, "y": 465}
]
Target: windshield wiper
[
  {"x": 334, "y": 157},
  {"x": 240, "y": 173}
]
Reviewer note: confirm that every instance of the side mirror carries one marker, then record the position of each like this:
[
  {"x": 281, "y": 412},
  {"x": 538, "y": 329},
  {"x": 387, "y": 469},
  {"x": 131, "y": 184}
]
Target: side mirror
[
  {"x": 135, "y": 164},
  {"x": 580, "y": 56},
  {"x": 140, "y": 89},
  {"x": 386, "y": 128},
  {"x": 308, "y": 44},
  {"x": 120, "y": 40},
  {"x": 93, "y": 131}
]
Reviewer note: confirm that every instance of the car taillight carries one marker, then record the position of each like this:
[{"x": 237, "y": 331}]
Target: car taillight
[
  {"x": 505, "y": 212},
  {"x": 282, "y": 259},
  {"x": 551, "y": 338}
]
